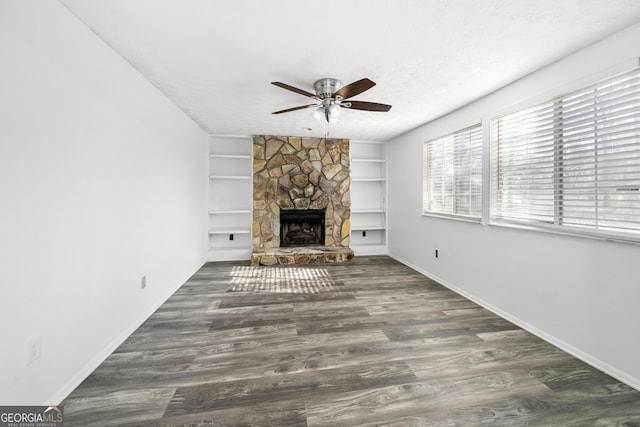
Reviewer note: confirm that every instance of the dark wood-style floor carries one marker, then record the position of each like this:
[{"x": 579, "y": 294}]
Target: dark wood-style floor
[{"x": 368, "y": 343}]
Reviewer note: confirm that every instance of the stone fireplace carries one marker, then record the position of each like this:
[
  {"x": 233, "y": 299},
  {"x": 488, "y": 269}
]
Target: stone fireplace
[{"x": 305, "y": 182}]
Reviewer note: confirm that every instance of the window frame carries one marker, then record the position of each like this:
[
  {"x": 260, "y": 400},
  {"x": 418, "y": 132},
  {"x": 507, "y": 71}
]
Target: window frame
[
  {"x": 477, "y": 218},
  {"x": 560, "y": 143}
]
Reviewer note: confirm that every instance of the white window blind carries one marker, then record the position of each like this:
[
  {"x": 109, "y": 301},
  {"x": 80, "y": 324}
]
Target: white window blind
[
  {"x": 572, "y": 162},
  {"x": 453, "y": 174}
]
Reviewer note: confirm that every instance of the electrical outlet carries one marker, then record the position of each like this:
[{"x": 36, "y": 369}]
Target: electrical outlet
[
  {"x": 436, "y": 253},
  {"x": 143, "y": 282},
  {"x": 35, "y": 349}
]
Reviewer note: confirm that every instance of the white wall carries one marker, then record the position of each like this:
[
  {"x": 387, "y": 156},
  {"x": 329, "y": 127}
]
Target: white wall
[
  {"x": 579, "y": 293},
  {"x": 102, "y": 181}
]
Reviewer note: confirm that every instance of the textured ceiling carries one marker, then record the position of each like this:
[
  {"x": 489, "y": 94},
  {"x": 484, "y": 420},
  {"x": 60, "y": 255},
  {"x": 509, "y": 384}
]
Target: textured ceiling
[{"x": 216, "y": 58}]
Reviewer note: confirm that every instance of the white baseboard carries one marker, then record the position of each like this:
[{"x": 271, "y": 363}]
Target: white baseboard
[
  {"x": 575, "y": 352},
  {"x": 92, "y": 364}
]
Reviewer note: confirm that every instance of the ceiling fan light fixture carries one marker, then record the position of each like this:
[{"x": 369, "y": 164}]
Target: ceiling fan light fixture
[
  {"x": 317, "y": 113},
  {"x": 331, "y": 112},
  {"x": 335, "y": 109}
]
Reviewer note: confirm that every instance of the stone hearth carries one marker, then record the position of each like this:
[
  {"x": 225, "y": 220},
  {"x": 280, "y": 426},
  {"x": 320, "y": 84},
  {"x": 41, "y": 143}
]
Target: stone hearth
[
  {"x": 292, "y": 173},
  {"x": 301, "y": 255}
]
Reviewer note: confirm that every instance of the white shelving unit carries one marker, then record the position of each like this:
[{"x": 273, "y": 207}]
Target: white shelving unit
[
  {"x": 368, "y": 197},
  {"x": 230, "y": 188}
]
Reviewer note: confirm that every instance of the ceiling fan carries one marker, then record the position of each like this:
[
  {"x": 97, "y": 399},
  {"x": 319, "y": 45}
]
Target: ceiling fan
[{"x": 331, "y": 97}]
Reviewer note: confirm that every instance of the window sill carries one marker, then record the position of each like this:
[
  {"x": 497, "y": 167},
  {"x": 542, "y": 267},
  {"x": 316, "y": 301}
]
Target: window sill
[
  {"x": 562, "y": 231},
  {"x": 451, "y": 216}
]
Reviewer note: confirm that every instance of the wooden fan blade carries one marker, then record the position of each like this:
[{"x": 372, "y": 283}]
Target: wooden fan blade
[
  {"x": 368, "y": 106},
  {"x": 294, "y": 109},
  {"x": 295, "y": 89},
  {"x": 355, "y": 88}
]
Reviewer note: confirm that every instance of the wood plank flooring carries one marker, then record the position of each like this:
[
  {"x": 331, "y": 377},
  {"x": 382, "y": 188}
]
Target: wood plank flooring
[{"x": 370, "y": 343}]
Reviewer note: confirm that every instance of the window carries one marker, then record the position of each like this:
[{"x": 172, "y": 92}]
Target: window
[
  {"x": 453, "y": 174},
  {"x": 572, "y": 163}
]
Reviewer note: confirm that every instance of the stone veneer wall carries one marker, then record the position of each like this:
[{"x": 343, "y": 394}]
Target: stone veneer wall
[{"x": 300, "y": 173}]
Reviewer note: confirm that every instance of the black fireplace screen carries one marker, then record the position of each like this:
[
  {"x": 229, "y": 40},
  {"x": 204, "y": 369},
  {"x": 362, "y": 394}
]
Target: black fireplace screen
[{"x": 301, "y": 227}]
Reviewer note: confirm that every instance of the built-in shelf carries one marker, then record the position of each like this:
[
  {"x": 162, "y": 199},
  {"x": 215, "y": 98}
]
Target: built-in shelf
[
  {"x": 368, "y": 195},
  {"x": 368, "y": 179},
  {"x": 369, "y": 160},
  {"x": 368, "y": 227},
  {"x": 229, "y": 208},
  {"x": 230, "y": 156},
  {"x": 230, "y": 252},
  {"x": 229, "y": 177},
  {"x": 229, "y": 230},
  {"x": 367, "y": 211},
  {"x": 229, "y": 212}
]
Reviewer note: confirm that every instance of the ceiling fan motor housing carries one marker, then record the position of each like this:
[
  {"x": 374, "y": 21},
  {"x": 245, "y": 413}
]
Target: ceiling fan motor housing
[{"x": 325, "y": 88}]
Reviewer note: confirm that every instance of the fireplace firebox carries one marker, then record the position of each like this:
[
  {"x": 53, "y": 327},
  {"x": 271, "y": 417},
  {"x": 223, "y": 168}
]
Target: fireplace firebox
[{"x": 302, "y": 227}]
